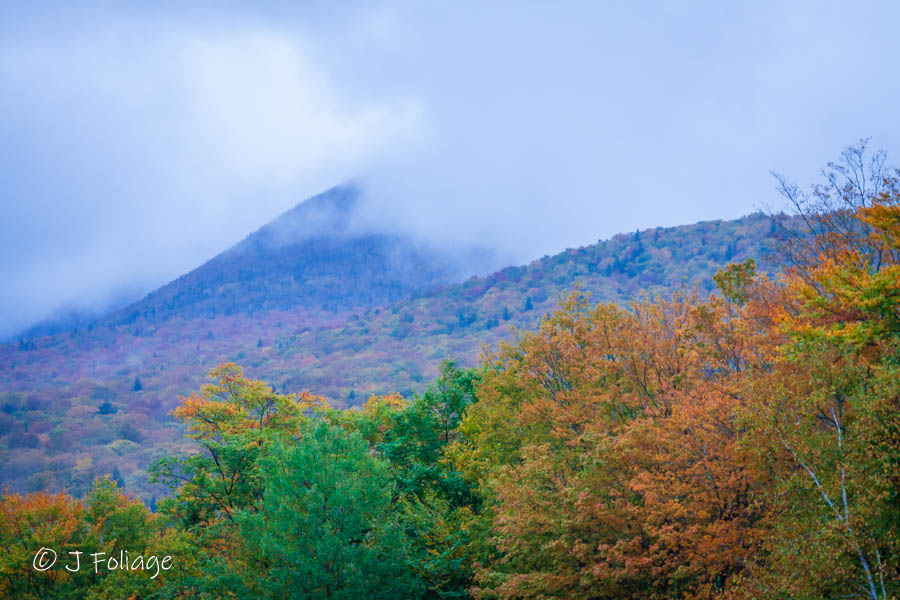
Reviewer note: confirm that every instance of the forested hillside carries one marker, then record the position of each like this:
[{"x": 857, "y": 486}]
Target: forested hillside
[
  {"x": 89, "y": 402},
  {"x": 742, "y": 444}
]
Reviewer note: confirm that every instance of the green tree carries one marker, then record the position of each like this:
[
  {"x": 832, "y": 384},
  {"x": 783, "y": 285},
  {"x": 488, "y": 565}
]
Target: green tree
[
  {"x": 432, "y": 495},
  {"x": 233, "y": 419},
  {"x": 324, "y": 528},
  {"x": 415, "y": 442}
]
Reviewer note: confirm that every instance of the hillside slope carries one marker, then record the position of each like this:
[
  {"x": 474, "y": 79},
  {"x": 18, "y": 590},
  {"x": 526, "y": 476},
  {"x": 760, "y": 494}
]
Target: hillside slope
[
  {"x": 76, "y": 405},
  {"x": 310, "y": 257},
  {"x": 399, "y": 349}
]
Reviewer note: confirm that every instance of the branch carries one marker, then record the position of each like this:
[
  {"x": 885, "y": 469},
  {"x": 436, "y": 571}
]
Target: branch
[
  {"x": 815, "y": 479},
  {"x": 840, "y": 437}
]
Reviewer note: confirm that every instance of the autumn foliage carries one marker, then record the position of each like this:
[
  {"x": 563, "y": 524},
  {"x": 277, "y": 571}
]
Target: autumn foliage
[{"x": 743, "y": 444}]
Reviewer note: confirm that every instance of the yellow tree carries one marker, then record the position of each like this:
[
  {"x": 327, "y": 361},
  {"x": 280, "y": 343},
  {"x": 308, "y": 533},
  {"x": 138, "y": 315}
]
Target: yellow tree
[
  {"x": 231, "y": 419},
  {"x": 825, "y": 420},
  {"x": 234, "y": 421}
]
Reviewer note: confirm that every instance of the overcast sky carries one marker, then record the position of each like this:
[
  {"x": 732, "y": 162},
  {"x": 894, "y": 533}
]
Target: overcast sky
[{"x": 136, "y": 143}]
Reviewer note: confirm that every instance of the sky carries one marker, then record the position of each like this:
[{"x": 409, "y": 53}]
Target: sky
[{"x": 138, "y": 142}]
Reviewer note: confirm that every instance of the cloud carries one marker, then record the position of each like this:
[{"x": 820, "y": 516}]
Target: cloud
[
  {"x": 268, "y": 115},
  {"x": 143, "y": 153},
  {"x": 141, "y": 140},
  {"x": 557, "y": 126}
]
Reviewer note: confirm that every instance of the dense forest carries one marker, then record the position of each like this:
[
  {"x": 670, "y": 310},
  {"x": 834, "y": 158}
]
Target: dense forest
[
  {"x": 739, "y": 443},
  {"x": 77, "y": 405}
]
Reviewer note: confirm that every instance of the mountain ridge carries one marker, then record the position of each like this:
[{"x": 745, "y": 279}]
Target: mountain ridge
[{"x": 105, "y": 393}]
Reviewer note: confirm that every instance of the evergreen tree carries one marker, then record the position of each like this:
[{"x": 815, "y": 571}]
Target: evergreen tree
[
  {"x": 107, "y": 408},
  {"x": 117, "y": 477},
  {"x": 325, "y": 526}
]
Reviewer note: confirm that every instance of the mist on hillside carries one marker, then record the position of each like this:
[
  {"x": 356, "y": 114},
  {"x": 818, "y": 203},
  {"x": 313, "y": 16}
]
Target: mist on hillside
[{"x": 141, "y": 142}]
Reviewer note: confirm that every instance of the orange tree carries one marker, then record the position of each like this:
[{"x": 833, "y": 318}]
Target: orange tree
[
  {"x": 605, "y": 445},
  {"x": 105, "y": 521}
]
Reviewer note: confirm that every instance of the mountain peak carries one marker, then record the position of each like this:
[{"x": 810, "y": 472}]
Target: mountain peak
[
  {"x": 326, "y": 215},
  {"x": 310, "y": 257}
]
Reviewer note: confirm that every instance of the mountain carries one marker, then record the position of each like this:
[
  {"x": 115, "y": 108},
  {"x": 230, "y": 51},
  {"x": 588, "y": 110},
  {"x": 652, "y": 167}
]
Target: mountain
[
  {"x": 315, "y": 256},
  {"x": 83, "y": 403},
  {"x": 312, "y": 256}
]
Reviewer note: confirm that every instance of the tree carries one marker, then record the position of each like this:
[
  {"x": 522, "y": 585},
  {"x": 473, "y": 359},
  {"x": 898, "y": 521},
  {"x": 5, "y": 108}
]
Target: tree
[
  {"x": 117, "y": 477},
  {"x": 107, "y": 408},
  {"x": 233, "y": 420},
  {"x": 33, "y": 522},
  {"x": 735, "y": 280},
  {"x": 324, "y": 528},
  {"x": 827, "y": 226},
  {"x": 430, "y": 492},
  {"x": 606, "y": 450},
  {"x": 825, "y": 418},
  {"x": 105, "y": 521},
  {"x": 236, "y": 421}
]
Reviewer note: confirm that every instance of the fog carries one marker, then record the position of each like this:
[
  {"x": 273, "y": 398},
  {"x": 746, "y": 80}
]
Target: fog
[{"x": 138, "y": 143}]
